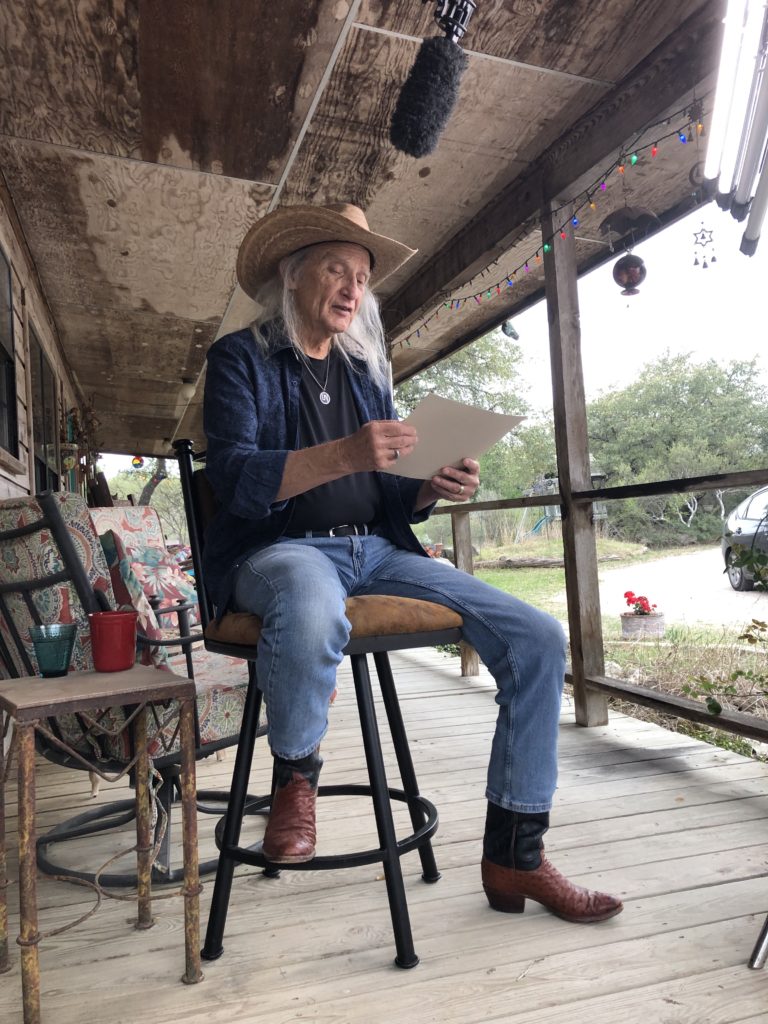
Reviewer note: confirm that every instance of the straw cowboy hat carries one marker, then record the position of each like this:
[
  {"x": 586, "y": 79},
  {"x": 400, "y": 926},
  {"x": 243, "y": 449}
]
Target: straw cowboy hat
[{"x": 291, "y": 228}]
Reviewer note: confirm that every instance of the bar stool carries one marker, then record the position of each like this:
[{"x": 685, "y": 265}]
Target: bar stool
[
  {"x": 29, "y": 702},
  {"x": 380, "y": 624}
]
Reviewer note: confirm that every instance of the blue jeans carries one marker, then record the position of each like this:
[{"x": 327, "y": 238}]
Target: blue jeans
[{"x": 298, "y": 587}]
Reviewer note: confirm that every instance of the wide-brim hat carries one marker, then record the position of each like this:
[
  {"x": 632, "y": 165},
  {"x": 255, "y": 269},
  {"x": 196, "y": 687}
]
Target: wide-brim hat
[{"x": 291, "y": 228}]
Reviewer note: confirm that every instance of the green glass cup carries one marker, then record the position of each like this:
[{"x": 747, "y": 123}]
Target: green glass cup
[{"x": 53, "y": 647}]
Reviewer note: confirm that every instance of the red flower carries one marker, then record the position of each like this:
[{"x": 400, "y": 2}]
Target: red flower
[{"x": 639, "y": 604}]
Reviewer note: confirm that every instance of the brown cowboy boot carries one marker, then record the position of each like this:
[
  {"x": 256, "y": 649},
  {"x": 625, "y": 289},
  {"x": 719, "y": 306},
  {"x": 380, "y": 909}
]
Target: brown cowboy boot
[
  {"x": 290, "y": 834},
  {"x": 514, "y": 868}
]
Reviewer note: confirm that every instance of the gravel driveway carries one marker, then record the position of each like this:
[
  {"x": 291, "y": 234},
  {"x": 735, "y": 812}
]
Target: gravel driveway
[{"x": 689, "y": 589}]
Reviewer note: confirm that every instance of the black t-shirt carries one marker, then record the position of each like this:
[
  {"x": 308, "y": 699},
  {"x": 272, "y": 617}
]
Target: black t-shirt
[{"x": 350, "y": 499}]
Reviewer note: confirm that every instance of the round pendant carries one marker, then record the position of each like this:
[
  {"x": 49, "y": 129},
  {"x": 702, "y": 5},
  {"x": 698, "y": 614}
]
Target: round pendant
[{"x": 325, "y": 398}]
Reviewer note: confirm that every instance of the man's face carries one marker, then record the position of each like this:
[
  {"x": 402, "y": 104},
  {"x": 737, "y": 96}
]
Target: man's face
[{"x": 329, "y": 287}]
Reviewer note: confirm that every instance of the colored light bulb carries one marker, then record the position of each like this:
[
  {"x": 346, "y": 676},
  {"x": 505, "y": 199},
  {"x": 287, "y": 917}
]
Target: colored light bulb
[
  {"x": 575, "y": 221},
  {"x": 633, "y": 159},
  {"x": 654, "y": 149},
  {"x": 547, "y": 247},
  {"x": 603, "y": 186}
]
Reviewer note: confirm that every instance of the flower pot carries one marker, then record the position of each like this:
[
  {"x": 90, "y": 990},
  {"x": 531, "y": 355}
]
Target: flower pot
[{"x": 634, "y": 627}]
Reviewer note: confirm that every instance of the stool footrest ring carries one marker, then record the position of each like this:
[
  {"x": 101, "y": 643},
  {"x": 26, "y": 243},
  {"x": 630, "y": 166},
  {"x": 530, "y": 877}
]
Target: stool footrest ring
[{"x": 253, "y": 855}]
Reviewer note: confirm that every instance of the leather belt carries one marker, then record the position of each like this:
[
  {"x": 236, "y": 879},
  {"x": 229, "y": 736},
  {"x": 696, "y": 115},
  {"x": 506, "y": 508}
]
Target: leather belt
[{"x": 345, "y": 530}]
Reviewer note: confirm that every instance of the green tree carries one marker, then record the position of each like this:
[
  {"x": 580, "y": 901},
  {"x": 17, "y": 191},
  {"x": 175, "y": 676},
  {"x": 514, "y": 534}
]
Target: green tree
[
  {"x": 485, "y": 373},
  {"x": 679, "y": 419},
  {"x": 155, "y": 484}
]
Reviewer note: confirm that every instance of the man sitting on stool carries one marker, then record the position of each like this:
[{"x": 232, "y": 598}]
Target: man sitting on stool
[{"x": 300, "y": 423}]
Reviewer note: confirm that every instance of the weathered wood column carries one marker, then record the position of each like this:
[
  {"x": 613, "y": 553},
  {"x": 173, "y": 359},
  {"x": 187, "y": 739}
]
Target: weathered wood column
[
  {"x": 462, "y": 552},
  {"x": 573, "y": 464}
]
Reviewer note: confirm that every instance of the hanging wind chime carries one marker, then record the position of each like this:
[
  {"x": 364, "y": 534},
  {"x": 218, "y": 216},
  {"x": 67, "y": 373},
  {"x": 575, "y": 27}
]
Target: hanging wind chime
[{"x": 702, "y": 239}]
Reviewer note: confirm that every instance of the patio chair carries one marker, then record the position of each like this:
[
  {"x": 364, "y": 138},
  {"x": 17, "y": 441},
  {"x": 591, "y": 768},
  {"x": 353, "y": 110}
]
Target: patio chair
[
  {"x": 133, "y": 540},
  {"x": 379, "y": 625},
  {"x": 53, "y": 569}
]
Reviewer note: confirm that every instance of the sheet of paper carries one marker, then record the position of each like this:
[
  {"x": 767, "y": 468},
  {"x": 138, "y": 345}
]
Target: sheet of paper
[{"x": 449, "y": 432}]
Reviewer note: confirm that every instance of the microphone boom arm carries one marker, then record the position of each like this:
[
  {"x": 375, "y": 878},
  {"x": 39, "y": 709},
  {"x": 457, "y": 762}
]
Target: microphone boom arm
[{"x": 453, "y": 16}]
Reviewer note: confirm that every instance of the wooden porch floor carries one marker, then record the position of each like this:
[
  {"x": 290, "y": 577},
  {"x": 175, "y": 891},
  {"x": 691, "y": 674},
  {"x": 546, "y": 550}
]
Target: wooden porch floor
[{"x": 675, "y": 826}]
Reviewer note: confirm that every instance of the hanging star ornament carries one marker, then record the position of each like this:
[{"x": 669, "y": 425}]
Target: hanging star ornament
[{"x": 702, "y": 237}]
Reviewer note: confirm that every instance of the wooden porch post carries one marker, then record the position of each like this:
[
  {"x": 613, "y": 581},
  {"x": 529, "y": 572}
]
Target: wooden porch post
[
  {"x": 573, "y": 463},
  {"x": 462, "y": 551}
]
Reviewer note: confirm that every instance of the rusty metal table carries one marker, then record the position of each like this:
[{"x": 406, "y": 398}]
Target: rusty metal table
[{"x": 28, "y": 702}]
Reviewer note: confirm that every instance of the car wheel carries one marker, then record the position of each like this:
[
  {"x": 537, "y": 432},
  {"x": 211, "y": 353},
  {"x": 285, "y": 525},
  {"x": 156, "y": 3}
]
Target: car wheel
[{"x": 736, "y": 575}]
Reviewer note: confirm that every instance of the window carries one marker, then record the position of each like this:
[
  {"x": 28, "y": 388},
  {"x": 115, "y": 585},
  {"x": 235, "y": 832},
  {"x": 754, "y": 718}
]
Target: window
[
  {"x": 9, "y": 434},
  {"x": 44, "y": 418},
  {"x": 758, "y": 505}
]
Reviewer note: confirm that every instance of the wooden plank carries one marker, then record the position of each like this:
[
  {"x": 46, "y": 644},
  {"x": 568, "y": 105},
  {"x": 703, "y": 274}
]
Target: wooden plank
[
  {"x": 207, "y": 103},
  {"x": 711, "y": 482},
  {"x": 674, "y": 825},
  {"x": 737, "y": 722},
  {"x": 479, "y": 151},
  {"x": 750, "y": 478},
  {"x": 561, "y": 36},
  {"x": 462, "y": 546},
  {"x": 572, "y": 443}
]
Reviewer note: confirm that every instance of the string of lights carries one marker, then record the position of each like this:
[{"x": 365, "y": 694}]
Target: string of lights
[{"x": 689, "y": 128}]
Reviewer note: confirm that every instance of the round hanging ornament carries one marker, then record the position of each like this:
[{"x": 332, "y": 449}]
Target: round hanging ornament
[
  {"x": 137, "y": 462},
  {"x": 628, "y": 273}
]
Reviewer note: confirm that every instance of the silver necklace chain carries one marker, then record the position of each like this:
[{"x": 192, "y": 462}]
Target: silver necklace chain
[{"x": 325, "y": 398}]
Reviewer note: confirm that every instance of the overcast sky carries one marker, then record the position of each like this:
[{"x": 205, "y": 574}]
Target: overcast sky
[{"x": 718, "y": 313}]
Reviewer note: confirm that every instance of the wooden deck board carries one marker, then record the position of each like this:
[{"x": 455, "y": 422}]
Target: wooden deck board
[{"x": 675, "y": 826}]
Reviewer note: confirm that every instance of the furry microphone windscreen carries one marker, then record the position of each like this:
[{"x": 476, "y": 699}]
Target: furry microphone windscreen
[{"x": 428, "y": 96}]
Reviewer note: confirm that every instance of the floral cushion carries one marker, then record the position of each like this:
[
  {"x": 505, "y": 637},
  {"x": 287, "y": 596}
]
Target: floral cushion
[
  {"x": 34, "y": 555},
  {"x": 138, "y": 526},
  {"x": 139, "y": 530},
  {"x": 159, "y": 575},
  {"x": 129, "y": 594}
]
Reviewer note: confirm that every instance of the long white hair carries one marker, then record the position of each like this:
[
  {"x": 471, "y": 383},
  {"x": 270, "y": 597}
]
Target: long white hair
[{"x": 363, "y": 339}]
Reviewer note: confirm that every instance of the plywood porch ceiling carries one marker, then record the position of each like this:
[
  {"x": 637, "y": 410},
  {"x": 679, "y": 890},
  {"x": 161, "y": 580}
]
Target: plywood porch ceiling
[{"x": 140, "y": 138}]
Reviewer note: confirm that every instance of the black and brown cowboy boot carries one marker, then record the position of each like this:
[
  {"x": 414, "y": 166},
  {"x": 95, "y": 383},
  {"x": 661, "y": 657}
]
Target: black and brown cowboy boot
[
  {"x": 514, "y": 868},
  {"x": 290, "y": 835}
]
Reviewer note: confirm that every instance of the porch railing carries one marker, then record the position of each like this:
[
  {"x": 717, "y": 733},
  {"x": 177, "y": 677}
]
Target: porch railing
[{"x": 583, "y": 648}]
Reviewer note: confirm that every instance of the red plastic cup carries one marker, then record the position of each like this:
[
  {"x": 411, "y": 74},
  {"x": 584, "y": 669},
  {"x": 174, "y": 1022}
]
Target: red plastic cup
[{"x": 113, "y": 640}]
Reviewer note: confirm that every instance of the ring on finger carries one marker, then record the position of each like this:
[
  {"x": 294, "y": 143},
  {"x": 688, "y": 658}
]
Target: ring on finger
[
  {"x": 396, "y": 453},
  {"x": 461, "y": 488}
]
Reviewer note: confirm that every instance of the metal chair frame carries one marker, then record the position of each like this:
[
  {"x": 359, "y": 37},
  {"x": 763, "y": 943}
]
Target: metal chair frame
[{"x": 423, "y": 814}]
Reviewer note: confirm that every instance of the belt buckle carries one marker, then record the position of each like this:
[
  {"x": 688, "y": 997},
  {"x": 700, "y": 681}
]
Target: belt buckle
[{"x": 344, "y": 526}]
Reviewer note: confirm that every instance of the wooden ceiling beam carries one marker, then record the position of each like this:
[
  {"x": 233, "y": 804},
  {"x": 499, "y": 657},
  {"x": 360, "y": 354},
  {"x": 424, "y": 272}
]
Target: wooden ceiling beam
[{"x": 657, "y": 83}]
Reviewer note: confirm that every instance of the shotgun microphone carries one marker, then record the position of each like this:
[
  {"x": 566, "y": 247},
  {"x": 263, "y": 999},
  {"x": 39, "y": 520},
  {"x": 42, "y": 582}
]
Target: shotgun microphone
[{"x": 431, "y": 89}]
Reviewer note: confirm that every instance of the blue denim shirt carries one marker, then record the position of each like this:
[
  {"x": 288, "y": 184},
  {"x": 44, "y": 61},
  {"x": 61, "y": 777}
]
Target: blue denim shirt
[{"x": 251, "y": 420}]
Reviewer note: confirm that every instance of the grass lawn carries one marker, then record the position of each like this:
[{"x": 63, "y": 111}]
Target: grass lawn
[{"x": 683, "y": 656}]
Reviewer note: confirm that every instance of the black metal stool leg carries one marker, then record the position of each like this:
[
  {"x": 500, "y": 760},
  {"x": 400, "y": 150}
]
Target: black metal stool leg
[
  {"x": 217, "y": 917},
  {"x": 393, "y": 874},
  {"x": 429, "y": 869}
]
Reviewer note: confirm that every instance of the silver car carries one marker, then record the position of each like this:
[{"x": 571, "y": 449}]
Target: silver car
[{"x": 746, "y": 529}]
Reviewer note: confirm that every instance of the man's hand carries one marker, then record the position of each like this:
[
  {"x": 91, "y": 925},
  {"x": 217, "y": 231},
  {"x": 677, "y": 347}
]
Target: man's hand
[
  {"x": 450, "y": 484},
  {"x": 376, "y": 446}
]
